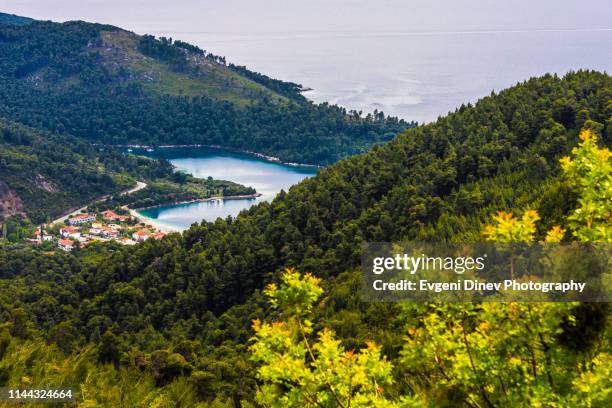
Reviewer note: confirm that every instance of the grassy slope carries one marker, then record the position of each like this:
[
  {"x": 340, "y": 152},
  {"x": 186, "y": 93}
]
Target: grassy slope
[{"x": 120, "y": 49}]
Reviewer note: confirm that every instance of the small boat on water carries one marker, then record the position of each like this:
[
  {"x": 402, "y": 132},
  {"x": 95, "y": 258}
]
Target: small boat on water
[
  {"x": 129, "y": 150},
  {"x": 149, "y": 150}
]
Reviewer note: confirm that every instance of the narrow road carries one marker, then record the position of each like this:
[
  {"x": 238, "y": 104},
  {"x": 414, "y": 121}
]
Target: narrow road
[{"x": 139, "y": 186}]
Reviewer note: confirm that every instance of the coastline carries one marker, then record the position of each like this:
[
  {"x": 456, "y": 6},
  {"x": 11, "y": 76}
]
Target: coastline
[
  {"x": 199, "y": 200},
  {"x": 153, "y": 223},
  {"x": 272, "y": 159},
  {"x": 169, "y": 229}
]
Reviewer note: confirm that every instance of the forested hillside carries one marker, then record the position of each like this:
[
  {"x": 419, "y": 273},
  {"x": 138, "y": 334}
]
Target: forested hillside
[
  {"x": 42, "y": 175},
  {"x": 176, "y": 314},
  {"x": 11, "y": 19},
  {"x": 111, "y": 86}
]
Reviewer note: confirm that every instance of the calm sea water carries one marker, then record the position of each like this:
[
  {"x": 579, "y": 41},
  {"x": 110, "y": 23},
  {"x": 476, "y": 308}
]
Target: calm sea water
[
  {"x": 266, "y": 177},
  {"x": 415, "y": 59},
  {"x": 414, "y": 75}
]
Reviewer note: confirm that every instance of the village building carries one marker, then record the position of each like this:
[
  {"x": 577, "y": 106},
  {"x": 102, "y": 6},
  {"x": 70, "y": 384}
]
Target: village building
[
  {"x": 95, "y": 230},
  {"x": 70, "y": 232},
  {"x": 113, "y": 216},
  {"x": 109, "y": 215},
  {"x": 110, "y": 233},
  {"x": 158, "y": 235},
  {"x": 140, "y": 236},
  {"x": 43, "y": 238},
  {"x": 81, "y": 219},
  {"x": 105, "y": 231},
  {"x": 66, "y": 244},
  {"x": 127, "y": 241}
]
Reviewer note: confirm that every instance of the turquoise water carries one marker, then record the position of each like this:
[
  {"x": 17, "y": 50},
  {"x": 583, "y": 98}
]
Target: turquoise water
[{"x": 268, "y": 178}]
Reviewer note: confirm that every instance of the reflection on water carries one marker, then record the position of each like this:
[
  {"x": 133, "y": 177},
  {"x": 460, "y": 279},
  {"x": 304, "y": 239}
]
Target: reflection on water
[{"x": 266, "y": 177}]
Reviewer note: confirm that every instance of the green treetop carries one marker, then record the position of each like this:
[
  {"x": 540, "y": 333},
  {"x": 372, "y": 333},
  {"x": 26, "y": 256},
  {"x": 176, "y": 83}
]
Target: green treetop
[{"x": 297, "y": 370}]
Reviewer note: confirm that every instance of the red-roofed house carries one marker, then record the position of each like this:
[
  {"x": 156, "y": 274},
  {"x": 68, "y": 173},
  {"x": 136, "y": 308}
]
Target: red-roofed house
[
  {"x": 127, "y": 241},
  {"x": 140, "y": 236},
  {"x": 113, "y": 216},
  {"x": 70, "y": 232},
  {"x": 45, "y": 236},
  {"x": 66, "y": 244}
]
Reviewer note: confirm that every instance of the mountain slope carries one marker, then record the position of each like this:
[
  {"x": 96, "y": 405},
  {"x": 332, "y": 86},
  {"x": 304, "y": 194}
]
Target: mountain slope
[
  {"x": 42, "y": 175},
  {"x": 436, "y": 182},
  {"x": 180, "y": 309},
  {"x": 11, "y": 19},
  {"x": 111, "y": 86}
]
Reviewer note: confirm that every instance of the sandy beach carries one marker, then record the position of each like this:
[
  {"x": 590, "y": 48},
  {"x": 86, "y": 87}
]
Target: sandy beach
[{"x": 155, "y": 224}]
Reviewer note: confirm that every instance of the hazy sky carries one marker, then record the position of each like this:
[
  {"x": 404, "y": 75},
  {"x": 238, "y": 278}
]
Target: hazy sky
[{"x": 322, "y": 15}]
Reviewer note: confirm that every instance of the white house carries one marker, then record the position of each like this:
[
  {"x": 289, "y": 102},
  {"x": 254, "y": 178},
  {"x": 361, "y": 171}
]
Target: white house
[
  {"x": 81, "y": 219},
  {"x": 95, "y": 231},
  {"x": 66, "y": 244},
  {"x": 127, "y": 241},
  {"x": 45, "y": 236},
  {"x": 140, "y": 236},
  {"x": 110, "y": 233},
  {"x": 70, "y": 232}
]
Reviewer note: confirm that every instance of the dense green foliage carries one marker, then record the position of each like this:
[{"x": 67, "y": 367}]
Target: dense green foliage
[
  {"x": 298, "y": 371},
  {"x": 44, "y": 174},
  {"x": 164, "y": 49},
  {"x": 11, "y": 19},
  {"x": 590, "y": 172},
  {"x": 178, "y": 188},
  {"x": 178, "y": 311},
  {"x": 44, "y": 50},
  {"x": 288, "y": 89},
  {"x": 113, "y": 87}
]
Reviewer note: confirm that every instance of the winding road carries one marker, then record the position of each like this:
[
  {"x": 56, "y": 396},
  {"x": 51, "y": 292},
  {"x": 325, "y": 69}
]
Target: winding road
[{"x": 139, "y": 186}]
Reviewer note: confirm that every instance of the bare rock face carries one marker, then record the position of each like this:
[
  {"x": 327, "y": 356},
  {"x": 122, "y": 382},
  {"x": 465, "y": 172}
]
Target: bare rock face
[
  {"x": 10, "y": 203},
  {"x": 44, "y": 184}
]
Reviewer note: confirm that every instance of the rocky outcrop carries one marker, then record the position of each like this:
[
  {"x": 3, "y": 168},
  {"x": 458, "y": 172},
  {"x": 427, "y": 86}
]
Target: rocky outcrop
[
  {"x": 10, "y": 203},
  {"x": 43, "y": 183}
]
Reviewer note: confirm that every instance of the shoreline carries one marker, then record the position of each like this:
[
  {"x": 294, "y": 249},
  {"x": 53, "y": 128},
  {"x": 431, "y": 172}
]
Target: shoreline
[
  {"x": 200, "y": 200},
  {"x": 150, "y": 221},
  {"x": 153, "y": 223},
  {"x": 169, "y": 229},
  {"x": 271, "y": 159}
]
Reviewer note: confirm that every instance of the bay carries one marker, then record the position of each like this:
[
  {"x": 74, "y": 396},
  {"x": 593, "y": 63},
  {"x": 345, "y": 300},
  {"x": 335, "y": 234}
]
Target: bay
[{"x": 267, "y": 177}]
